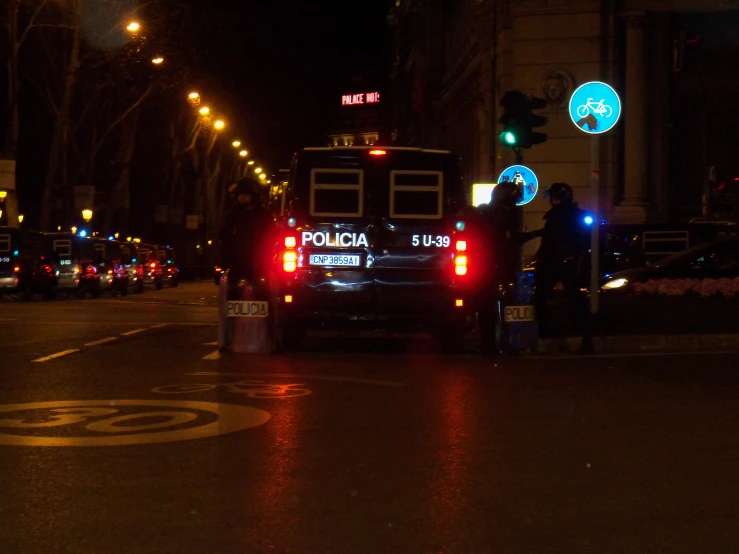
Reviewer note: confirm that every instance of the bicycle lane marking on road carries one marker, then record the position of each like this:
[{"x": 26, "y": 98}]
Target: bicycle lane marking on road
[{"x": 122, "y": 422}]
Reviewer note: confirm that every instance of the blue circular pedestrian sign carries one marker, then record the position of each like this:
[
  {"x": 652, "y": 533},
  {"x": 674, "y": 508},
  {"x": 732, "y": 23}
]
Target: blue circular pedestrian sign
[
  {"x": 595, "y": 107},
  {"x": 524, "y": 178}
]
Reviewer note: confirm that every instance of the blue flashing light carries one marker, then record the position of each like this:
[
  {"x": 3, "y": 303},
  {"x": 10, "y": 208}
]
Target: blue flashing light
[
  {"x": 291, "y": 222},
  {"x": 111, "y": 237},
  {"x": 134, "y": 260},
  {"x": 83, "y": 233},
  {"x": 588, "y": 219},
  {"x": 460, "y": 225},
  {"x": 168, "y": 246},
  {"x": 15, "y": 253}
]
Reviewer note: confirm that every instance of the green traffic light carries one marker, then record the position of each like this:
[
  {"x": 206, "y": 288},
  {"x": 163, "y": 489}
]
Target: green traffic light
[{"x": 508, "y": 137}]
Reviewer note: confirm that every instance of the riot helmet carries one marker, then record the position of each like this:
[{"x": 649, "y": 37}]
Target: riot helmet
[{"x": 560, "y": 191}]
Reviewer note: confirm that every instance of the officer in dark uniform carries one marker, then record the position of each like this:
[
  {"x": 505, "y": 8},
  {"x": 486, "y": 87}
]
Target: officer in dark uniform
[
  {"x": 248, "y": 232},
  {"x": 563, "y": 257},
  {"x": 501, "y": 223}
]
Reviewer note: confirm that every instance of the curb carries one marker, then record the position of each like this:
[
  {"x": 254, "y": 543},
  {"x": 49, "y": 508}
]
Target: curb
[{"x": 635, "y": 344}]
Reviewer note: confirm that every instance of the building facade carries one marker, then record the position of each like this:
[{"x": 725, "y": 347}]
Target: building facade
[{"x": 670, "y": 61}]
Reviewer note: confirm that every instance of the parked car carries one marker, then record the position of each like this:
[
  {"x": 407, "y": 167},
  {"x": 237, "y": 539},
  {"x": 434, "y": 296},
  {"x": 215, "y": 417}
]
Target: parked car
[
  {"x": 148, "y": 255},
  {"x": 76, "y": 262},
  {"x": 711, "y": 260},
  {"x": 26, "y": 264},
  {"x": 113, "y": 274},
  {"x": 168, "y": 263}
]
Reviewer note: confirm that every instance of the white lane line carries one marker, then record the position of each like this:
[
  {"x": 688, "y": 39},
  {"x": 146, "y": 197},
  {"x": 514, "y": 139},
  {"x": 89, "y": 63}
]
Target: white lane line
[
  {"x": 213, "y": 356},
  {"x": 57, "y": 355},
  {"x": 210, "y": 343},
  {"x": 101, "y": 341},
  {"x": 159, "y": 326},
  {"x": 129, "y": 333}
]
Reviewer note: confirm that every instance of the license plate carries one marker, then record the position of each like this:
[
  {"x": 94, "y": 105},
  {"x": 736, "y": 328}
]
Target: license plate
[
  {"x": 351, "y": 260},
  {"x": 518, "y": 313}
]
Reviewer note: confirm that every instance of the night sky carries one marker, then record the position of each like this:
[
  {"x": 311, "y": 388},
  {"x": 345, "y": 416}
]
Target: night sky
[{"x": 281, "y": 67}]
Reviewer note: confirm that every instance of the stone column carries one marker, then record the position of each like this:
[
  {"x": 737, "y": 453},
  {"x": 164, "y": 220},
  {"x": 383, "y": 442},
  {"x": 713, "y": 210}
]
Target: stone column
[{"x": 634, "y": 207}]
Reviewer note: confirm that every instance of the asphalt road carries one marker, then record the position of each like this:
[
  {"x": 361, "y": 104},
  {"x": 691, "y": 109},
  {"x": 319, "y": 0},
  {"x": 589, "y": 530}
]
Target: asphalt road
[{"x": 138, "y": 437}]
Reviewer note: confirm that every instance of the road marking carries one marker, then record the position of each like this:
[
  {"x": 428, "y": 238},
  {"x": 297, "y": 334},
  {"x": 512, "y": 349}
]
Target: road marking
[
  {"x": 56, "y": 355},
  {"x": 101, "y": 341},
  {"x": 121, "y": 422},
  {"x": 129, "y": 333},
  {"x": 159, "y": 326},
  {"x": 215, "y": 355},
  {"x": 210, "y": 343}
]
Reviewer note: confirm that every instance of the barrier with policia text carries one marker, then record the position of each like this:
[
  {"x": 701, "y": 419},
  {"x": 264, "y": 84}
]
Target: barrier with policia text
[{"x": 244, "y": 317}]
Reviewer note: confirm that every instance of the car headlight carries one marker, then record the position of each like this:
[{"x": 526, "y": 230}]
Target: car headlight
[{"x": 615, "y": 284}]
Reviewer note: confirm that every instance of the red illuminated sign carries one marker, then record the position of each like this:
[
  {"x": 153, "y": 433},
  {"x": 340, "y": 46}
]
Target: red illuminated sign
[{"x": 362, "y": 98}]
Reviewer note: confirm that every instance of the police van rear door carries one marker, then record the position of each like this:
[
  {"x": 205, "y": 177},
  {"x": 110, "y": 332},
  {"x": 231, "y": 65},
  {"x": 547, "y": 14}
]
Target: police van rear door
[
  {"x": 332, "y": 226},
  {"x": 418, "y": 193}
]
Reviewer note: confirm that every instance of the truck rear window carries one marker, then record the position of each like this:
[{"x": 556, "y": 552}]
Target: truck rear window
[
  {"x": 4, "y": 243},
  {"x": 336, "y": 192},
  {"x": 416, "y": 194},
  {"x": 63, "y": 247}
]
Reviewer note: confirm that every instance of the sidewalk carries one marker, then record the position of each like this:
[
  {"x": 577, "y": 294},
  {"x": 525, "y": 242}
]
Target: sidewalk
[{"x": 634, "y": 344}]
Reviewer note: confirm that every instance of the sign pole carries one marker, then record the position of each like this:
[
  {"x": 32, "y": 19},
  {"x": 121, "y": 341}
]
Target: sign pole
[{"x": 595, "y": 234}]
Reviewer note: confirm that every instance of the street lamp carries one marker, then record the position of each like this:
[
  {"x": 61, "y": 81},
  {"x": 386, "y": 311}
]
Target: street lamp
[
  {"x": 133, "y": 26},
  {"x": 219, "y": 124},
  {"x": 157, "y": 60},
  {"x": 258, "y": 170},
  {"x": 250, "y": 162},
  {"x": 87, "y": 215},
  {"x": 3, "y": 194},
  {"x": 20, "y": 218},
  {"x": 262, "y": 176},
  {"x": 236, "y": 143},
  {"x": 74, "y": 229},
  {"x": 193, "y": 98},
  {"x": 243, "y": 153},
  {"x": 205, "y": 110}
]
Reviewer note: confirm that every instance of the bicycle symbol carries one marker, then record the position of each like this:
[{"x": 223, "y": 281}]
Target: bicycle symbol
[
  {"x": 252, "y": 389},
  {"x": 598, "y": 108}
]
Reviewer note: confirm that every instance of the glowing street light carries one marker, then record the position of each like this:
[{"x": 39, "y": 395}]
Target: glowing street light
[
  {"x": 219, "y": 124},
  {"x": 193, "y": 96},
  {"x": 236, "y": 143},
  {"x": 243, "y": 153},
  {"x": 74, "y": 229},
  {"x": 258, "y": 170},
  {"x": 205, "y": 110},
  {"x": 250, "y": 162},
  {"x": 20, "y": 218},
  {"x": 262, "y": 176},
  {"x": 87, "y": 215},
  {"x": 133, "y": 26},
  {"x": 157, "y": 60},
  {"x": 3, "y": 194}
]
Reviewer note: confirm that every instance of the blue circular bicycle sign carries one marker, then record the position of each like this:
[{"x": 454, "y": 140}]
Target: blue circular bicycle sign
[
  {"x": 524, "y": 178},
  {"x": 595, "y": 107}
]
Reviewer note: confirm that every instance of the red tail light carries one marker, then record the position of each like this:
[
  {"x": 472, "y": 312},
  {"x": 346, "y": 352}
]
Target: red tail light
[
  {"x": 17, "y": 269},
  {"x": 460, "y": 258},
  {"x": 290, "y": 256}
]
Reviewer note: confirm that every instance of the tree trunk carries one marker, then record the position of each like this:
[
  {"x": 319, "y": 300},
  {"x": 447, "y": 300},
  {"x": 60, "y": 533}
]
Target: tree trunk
[
  {"x": 10, "y": 140},
  {"x": 60, "y": 136},
  {"x": 119, "y": 204}
]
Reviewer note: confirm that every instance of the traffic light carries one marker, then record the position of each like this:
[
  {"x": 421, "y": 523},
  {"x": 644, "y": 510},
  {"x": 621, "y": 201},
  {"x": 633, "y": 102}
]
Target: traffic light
[{"x": 518, "y": 120}]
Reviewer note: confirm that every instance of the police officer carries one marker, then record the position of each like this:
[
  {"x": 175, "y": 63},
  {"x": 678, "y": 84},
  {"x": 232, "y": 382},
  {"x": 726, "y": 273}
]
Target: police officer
[
  {"x": 502, "y": 226},
  {"x": 563, "y": 257},
  {"x": 246, "y": 235}
]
